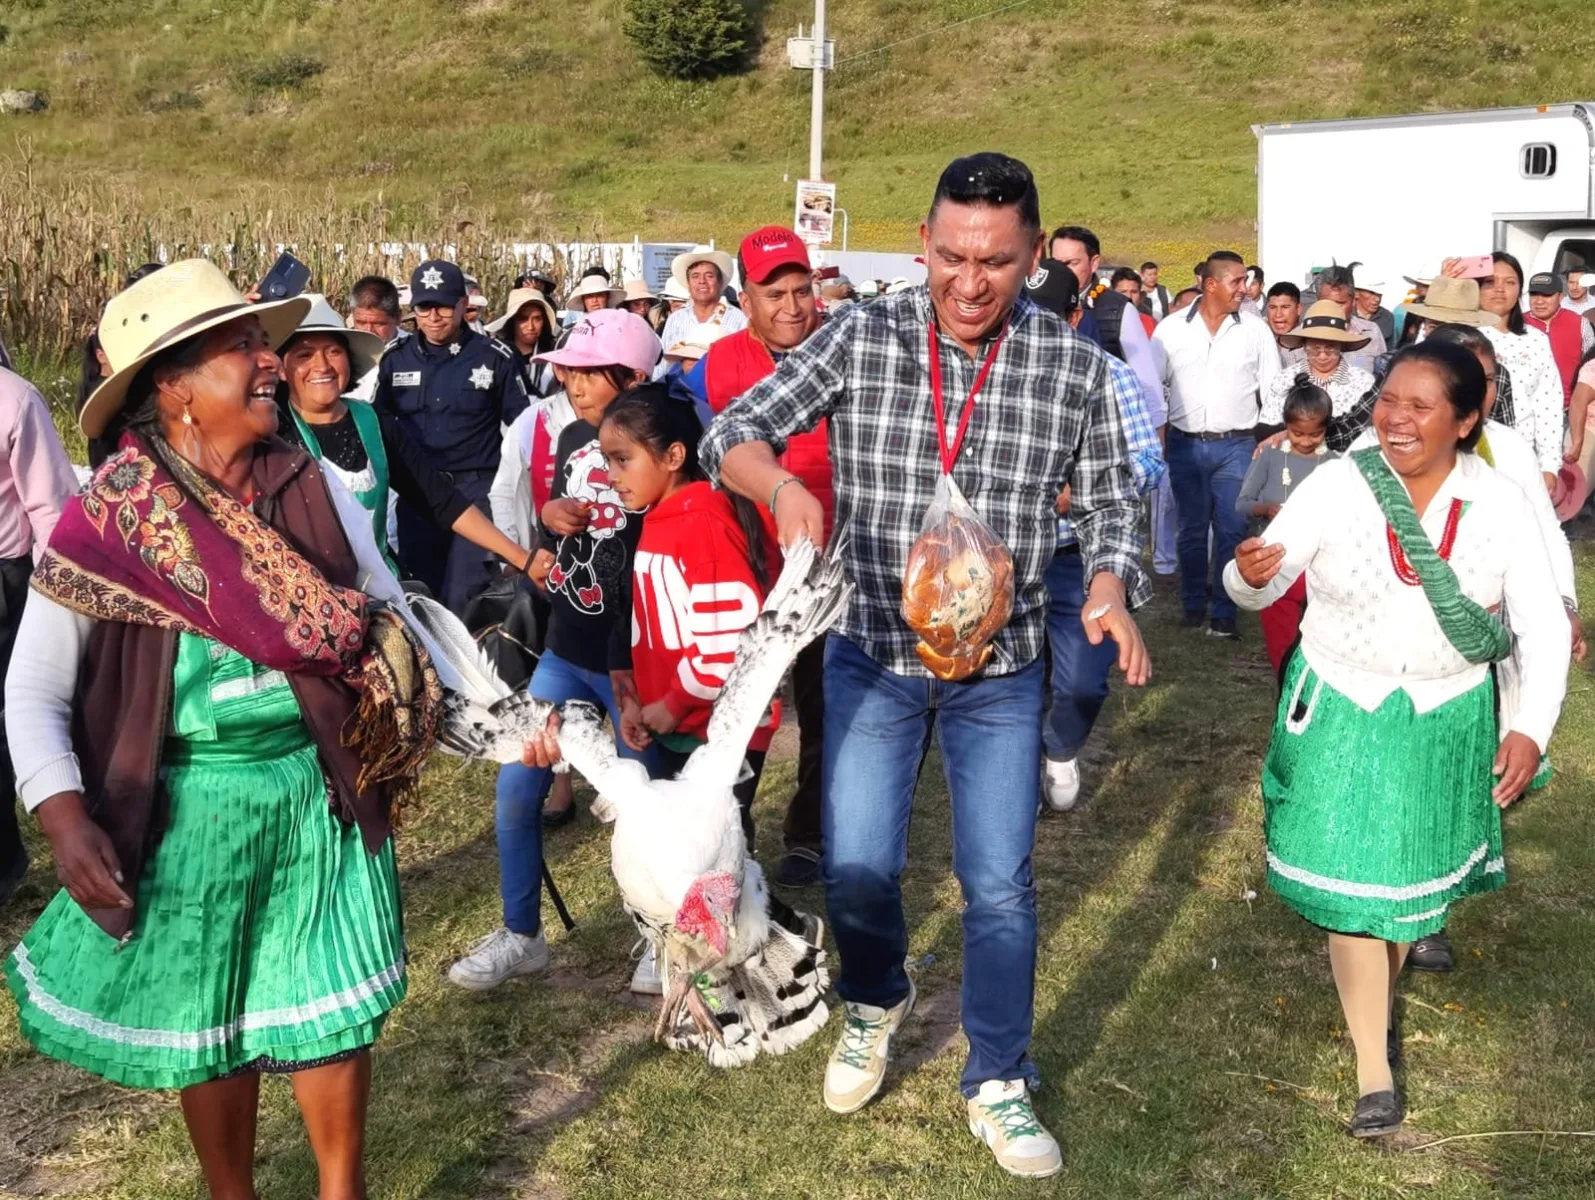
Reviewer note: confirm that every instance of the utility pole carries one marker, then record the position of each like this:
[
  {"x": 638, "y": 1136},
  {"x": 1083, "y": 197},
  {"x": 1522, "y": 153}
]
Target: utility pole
[{"x": 817, "y": 104}]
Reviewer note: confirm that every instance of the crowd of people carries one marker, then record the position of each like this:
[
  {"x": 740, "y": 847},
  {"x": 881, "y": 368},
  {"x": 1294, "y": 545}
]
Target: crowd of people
[{"x": 1385, "y": 487}]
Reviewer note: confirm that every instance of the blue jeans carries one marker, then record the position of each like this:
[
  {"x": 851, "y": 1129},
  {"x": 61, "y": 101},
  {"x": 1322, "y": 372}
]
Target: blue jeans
[
  {"x": 1207, "y": 478},
  {"x": 522, "y": 790},
  {"x": 1079, "y": 669},
  {"x": 877, "y": 728}
]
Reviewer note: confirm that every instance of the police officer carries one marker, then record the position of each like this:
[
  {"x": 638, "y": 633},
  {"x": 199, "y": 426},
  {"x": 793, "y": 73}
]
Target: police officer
[{"x": 453, "y": 390}]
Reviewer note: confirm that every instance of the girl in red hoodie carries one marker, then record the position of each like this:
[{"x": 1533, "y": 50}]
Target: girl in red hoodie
[{"x": 699, "y": 578}]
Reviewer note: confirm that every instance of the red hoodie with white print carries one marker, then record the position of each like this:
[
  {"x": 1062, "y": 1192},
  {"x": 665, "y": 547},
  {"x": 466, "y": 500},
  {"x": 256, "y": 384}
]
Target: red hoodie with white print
[{"x": 693, "y": 593}]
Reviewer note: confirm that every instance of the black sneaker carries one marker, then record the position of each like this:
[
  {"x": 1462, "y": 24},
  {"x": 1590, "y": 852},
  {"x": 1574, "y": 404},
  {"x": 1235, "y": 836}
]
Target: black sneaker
[
  {"x": 1432, "y": 953},
  {"x": 1193, "y": 620},
  {"x": 799, "y": 867},
  {"x": 1219, "y": 627}
]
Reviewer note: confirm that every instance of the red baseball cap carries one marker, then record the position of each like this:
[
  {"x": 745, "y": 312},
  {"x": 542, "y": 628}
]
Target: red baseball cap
[{"x": 767, "y": 250}]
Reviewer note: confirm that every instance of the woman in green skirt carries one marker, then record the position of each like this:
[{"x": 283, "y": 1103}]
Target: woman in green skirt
[
  {"x": 1385, "y": 776},
  {"x": 366, "y": 449},
  {"x": 211, "y": 723}
]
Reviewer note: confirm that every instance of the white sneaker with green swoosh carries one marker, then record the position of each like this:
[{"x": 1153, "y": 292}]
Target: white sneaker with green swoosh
[{"x": 1001, "y": 1116}]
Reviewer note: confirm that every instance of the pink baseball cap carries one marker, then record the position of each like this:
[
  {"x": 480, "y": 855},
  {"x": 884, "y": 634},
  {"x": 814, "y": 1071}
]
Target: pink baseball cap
[{"x": 610, "y": 337}]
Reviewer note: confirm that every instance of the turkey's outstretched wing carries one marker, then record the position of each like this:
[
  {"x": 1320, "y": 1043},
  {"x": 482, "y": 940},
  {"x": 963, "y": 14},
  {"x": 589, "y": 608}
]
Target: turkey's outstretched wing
[
  {"x": 806, "y": 600},
  {"x": 586, "y": 747},
  {"x": 462, "y": 665},
  {"x": 495, "y": 732}
]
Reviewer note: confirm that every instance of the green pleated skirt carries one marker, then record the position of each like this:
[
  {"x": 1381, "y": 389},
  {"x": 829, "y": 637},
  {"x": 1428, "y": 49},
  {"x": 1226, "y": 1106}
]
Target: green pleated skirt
[
  {"x": 1378, "y": 822},
  {"x": 264, "y": 934}
]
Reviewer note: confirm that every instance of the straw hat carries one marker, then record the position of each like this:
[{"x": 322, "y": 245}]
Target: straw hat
[
  {"x": 676, "y": 291},
  {"x": 695, "y": 343},
  {"x": 595, "y": 285},
  {"x": 365, "y": 349},
  {"x": 1325, "y": 321},
  {"x": 519, "y": 299},
  {"x": 703, "y": 254},
  {"x": 164, "y": 309},
  {"x": 637, "y": 289},
  {"x": 1453, "y": 301}
]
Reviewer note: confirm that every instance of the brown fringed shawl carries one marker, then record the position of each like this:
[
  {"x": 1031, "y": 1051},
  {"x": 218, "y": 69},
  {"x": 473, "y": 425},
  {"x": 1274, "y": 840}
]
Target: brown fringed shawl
[{"x": 153, "y": 547}]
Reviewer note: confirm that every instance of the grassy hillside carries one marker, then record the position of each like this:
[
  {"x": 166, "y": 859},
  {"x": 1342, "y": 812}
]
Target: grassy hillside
[{"x": 537, "y": 117}]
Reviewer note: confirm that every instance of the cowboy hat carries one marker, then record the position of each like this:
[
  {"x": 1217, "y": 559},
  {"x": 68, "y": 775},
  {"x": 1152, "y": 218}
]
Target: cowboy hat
[
  {"x": 1453, "y": 301},
  {"x": 171, "y": 306},
  {"x": 695, "y": 343},
  {"x": 703, "y": 254},
  {"x": 595, "y": 285},
  {"x": 519, "y": 299},
  {"x": 637, "y": 289},
  {"x": 1325, "y": 321},
  {"x": 365, "y": 349}
]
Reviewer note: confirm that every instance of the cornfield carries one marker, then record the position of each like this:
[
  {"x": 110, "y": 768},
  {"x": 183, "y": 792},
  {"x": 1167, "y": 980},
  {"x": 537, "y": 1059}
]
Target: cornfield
[{"x": 67, "y": 244}]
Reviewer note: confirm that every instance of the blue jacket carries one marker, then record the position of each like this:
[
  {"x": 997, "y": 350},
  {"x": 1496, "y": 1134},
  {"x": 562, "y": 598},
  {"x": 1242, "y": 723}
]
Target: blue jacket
[{"x": 452, "y": 400}]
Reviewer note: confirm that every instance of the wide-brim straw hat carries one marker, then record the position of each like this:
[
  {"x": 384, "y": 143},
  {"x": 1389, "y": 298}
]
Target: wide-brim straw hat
[
  {"x": 703, "y": 254},
  {"x": 1453, "y": 302},
  {"x": 594, "y": 285},
  {"x": 164, "y": 309},
  {"x": 676, "y": 291},
  {"x": 637, "y": 289},
  {"x": 695, "y": 343},
  {"x": 365, "y": 349},
  {"x": 1325, "y": 321},
  {"x": 518, "y": 300}
]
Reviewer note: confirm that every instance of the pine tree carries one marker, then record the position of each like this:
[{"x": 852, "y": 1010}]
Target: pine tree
[{"x": 690, "y": 39}]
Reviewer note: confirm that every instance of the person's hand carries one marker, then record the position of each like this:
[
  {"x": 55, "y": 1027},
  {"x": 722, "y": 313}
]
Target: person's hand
[
  {"x": 1272, "y": 442},
  {"x": 1550, "y": 482},
  {"x": 1575, "y": 451},
  {"x": 1268, "y": 511},
  {"x": 85, "y": 861},
  {"x": 542, "y": 748},
  {"x": 1107, "y": 614},
  {"x": 542, "y": 564},
  {"x": 1452, "y": 268},
  {"x": 633, "y": 730},
  {"x": 1258, "y": 562},
  {"x": 1515, "y": 764},
  {"x": 658, "y": 717},
  {"x": 1580, "y": 648},
  {"x": 566, "y": 516},
  {"x": 1064, "y": 497},
  {"x": 798, "y": 515}
]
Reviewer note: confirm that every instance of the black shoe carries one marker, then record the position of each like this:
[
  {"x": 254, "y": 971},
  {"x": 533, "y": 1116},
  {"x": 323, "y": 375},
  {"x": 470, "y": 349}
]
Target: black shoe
[
  {"x": 1432, "y": 953},
  {"x": 799, "y": 867},
  {"x": 1193, "y": 620},
  {"x": 1378, "y": 1114},
  {"x": 555, "y": 820},
  {"x": 1220, "y": 628}
]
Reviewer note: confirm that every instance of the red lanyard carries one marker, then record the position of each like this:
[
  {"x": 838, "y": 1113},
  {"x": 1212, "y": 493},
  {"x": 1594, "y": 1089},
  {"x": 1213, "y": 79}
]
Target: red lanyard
[{"x": 949, "y": 454}]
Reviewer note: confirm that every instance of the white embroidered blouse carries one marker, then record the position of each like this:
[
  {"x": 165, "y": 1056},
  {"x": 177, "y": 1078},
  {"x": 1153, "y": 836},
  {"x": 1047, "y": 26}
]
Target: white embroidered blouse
[{"x": 1366, "y": 633}]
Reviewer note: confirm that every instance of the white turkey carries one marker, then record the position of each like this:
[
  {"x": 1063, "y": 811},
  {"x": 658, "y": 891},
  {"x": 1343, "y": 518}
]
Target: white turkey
[{"x": 736, "y": 981}]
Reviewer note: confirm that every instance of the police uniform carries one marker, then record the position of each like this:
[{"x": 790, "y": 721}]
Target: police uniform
[{"x": 454, "y": 401}]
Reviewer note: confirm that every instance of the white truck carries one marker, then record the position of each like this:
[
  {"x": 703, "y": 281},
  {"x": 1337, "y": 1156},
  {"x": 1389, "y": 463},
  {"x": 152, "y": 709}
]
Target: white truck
[{"x": 1398, "y": 194}]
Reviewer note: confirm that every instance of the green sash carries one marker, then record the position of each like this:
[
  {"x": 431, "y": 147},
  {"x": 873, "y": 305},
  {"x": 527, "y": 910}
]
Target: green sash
[
  {"x": 375, "y": 498},
  {"x": 1477, "y": 636}
]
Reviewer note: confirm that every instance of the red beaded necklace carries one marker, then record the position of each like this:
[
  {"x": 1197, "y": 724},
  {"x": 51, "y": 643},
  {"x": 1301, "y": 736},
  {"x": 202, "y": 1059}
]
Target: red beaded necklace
[{"x": 1448, "y": 539}]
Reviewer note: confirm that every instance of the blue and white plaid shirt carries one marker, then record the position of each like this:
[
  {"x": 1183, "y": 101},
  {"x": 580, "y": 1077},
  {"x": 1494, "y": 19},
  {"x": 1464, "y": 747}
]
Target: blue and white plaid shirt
[
  {"x": 1045, "y": 417},
  {"x": 1146, "y": 452}
]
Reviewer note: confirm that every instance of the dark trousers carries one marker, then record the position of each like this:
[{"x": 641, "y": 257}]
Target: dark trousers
[
  {"x": 453, "y": 568},
  {"x": 802, "y": 825},
  {"x": 14, "y": 574}
]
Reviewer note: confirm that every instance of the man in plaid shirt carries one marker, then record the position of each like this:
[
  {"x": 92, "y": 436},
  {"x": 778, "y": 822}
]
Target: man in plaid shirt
[{"x": 1045, "y": 418}]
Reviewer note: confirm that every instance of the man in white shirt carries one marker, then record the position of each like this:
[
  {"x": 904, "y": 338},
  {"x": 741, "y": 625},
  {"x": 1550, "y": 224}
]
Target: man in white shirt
[
  {"x": 703, "y": 273},
  {"x": 1579, "y": 297},
  {"x": 1216, "y": 360}
]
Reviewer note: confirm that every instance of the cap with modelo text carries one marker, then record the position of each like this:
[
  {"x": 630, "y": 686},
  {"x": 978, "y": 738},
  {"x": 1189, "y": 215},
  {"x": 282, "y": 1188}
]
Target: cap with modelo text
[
  {"x": 765, "y": 251},
  {"x": 1545, "y": 284},
  {"x": 437, "y": 281}
]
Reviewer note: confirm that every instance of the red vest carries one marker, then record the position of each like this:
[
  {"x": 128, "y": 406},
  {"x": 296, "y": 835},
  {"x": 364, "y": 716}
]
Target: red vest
[
  {"x": 1566, "y": 331},
  {"x": 734, "y": 364}
]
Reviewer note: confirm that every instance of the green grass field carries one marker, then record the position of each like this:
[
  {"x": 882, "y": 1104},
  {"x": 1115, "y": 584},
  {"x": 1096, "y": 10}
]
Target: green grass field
[
  {"x": 1187, "y": 1031},
  {"x": 1135, "y": 115}
]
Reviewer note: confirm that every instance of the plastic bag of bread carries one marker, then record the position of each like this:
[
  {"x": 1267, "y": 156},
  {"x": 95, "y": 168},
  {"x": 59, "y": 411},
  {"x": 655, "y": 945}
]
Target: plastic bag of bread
[{"x": 958, "y": 586}]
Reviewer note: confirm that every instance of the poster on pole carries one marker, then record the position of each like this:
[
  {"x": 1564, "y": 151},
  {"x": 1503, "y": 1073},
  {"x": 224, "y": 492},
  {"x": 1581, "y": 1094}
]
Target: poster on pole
[{"x": 816, "y": 211}]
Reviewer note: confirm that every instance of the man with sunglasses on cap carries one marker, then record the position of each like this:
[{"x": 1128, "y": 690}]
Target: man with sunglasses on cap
[{"x": 453, "y": 390}]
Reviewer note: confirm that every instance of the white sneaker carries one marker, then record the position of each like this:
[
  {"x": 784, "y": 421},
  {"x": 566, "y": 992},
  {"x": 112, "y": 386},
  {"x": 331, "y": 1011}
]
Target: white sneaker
[
  {"x": 1062, "y": 786},
  {"x": 858, "y": 1064},
  {"x": 501, "y": 955},
  {"x": 646, "y": 980},
  {"x": 1000, "y": 1115}
]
